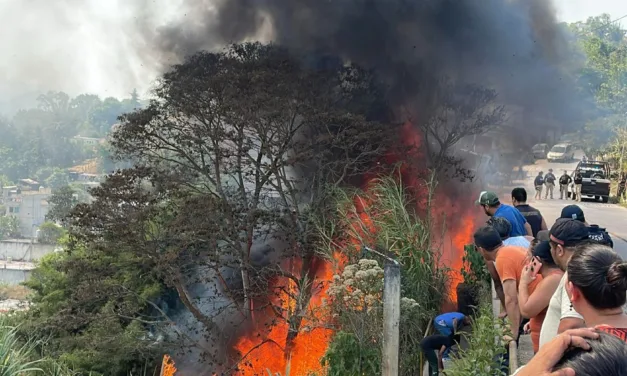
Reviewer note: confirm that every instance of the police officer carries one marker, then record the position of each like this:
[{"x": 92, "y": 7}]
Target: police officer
[
  {"x": 564, "y": 181},
  {"x": 549, "y": 181}
]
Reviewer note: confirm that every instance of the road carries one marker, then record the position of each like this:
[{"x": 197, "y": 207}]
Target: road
[{"x": 612, "y": 217}]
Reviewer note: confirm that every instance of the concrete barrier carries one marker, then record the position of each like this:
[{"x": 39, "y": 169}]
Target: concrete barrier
[
  {"x": 24, "y": 250},
  {"x": 14, "y": 273}
]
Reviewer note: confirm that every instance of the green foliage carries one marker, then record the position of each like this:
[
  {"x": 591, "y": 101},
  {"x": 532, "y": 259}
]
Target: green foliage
[
  {"x": 37, "y": 141},
  {"x": 474, "y": 270},
  {"x": 484, "y": 353},
  {"x": 389, "y": 222},
  {"x": 61, "y": 203},
  {"x": 9, "y": 227},
  {"x": 16, "y": 356},
  {"x": 106, "y": 334},
  {"x": 347, "y": 356},
  {"x": 50, "y": 233}
]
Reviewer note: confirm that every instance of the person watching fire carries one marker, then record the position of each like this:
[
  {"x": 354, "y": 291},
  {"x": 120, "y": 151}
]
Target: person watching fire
[
  {"x": 509, "y": 262},
  {"x": 534, "y": 302},
  {"x": 493, "y": 207}
]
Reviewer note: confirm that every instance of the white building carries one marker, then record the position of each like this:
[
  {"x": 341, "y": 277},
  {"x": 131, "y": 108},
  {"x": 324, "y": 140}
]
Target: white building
[{"x": 29, "y": 205}]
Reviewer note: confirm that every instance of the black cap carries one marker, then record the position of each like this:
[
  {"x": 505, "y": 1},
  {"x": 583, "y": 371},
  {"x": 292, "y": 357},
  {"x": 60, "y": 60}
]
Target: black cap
[
  {"x": 543, "y": 235},
  {"x": 487, "y": 238},
  {"x": 568, "y": 232},
  {"x": 573, "y": 212},
  {"x": 542, "y": 250}
]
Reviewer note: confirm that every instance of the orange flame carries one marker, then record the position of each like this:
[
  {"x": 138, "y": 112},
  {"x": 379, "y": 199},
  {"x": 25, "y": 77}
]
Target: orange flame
[
  {"x": 167, "y": 366},
  {"x": 269, "y": 352},
  {"x": 265, "y": 348}
]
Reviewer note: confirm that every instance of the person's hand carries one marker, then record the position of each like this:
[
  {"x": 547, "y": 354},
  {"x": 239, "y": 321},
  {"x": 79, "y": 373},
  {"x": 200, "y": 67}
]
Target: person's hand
[
  {"x": 526, "y": 276},
  {"x": 507, "y": 339},
  {"x": 550, "y": 354},
  {"x": 527, "y": 328}
]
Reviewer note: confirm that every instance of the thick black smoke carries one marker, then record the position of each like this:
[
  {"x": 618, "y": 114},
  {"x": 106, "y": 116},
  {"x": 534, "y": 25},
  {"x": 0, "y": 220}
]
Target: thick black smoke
[{"x": 513, "y": 46}]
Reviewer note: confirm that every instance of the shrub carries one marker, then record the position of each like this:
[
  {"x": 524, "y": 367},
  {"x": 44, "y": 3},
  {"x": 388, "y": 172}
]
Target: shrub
[
  {"x": 357, "y": 306},
  {"x": 50, "y": 233},
  {"x": 9, "y": 227}
]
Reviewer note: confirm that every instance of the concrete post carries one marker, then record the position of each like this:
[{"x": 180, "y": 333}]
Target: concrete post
[{"x": 391, "y": 317}]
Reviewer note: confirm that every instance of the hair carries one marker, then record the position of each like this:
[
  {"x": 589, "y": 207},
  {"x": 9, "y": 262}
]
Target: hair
[
  {"x": 487, "y": 238},
  {"x": 607, "y": 357},
  {"x": 545, "y": 257},
  {"x": 501, "y": 225},
  {"x": 600, "y": 274},
  {"x": 519, "y": 194}
]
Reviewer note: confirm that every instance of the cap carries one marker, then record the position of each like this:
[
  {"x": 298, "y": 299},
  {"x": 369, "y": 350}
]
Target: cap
[
  {"x": 543, "y": 235},
  {"x": 487, "y": 198},
  {"x": 568, "y": 232},
  {"x": 550, "y": 170},
  {"x": 487, "y": 238},
  {"x": 543, "y": 251},
  {"x": 573, "y": 212}
]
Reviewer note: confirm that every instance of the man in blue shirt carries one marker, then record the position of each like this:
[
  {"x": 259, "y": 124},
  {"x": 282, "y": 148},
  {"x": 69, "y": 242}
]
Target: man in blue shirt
[
  {"x": 493, "y": 208},
  {"x": 437, "y": 347},
  {"x": 449, "y": 323}
]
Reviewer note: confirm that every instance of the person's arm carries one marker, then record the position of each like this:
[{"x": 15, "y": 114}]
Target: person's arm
[
  {"x": 511, "y": 306},
  {"x": 569, "y": 319},
  {"x": 440, "y": 354},
  {"x": 570, "y": 323},
  {"x": 532, "y": 305},
  {"x": 498, "y": 287},
  {"x": 455, "y": 323},
  {"x": 528, "y": 228},
  {"x": 543, "y": 225}
]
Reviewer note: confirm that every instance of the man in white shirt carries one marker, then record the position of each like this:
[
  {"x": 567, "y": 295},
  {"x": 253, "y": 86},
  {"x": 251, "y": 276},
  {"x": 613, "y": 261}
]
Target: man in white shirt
[{"x": 565, "y": 236}]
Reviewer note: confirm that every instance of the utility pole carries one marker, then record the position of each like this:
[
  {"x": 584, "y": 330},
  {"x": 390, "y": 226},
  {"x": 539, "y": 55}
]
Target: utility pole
[{"x": 391, "y": 313}]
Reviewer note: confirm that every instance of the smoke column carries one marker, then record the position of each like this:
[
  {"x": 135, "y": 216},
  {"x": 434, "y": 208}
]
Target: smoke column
[{"x": 513, "y": 46}]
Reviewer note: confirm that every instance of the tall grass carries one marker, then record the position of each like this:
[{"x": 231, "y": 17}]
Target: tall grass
[
  {"x": 16, "y": 356},
  {"x": 386, "y": 217}
]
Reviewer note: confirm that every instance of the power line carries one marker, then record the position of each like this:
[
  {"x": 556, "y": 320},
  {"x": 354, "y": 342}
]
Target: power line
[{"x": 609, "y": 23}]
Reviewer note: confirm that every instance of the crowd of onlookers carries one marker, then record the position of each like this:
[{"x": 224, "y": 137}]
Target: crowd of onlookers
[{"x": 565, "y": 286}]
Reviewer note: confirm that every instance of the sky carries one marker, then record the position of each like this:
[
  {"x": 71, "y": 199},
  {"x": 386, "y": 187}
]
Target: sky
[{"x": 93, "y": 46}]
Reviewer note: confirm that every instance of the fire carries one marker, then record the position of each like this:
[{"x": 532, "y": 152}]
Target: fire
[
  {"x": 167, "y": 366},
  {"x": 266, "y": 349},
  {"x": 270, "y": 352}
]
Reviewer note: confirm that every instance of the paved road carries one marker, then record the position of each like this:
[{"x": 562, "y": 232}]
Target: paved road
[{"x": 613, "y": 217}]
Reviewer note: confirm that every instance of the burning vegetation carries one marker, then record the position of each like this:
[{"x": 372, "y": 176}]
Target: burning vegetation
[{"x": 261, "y": 172}]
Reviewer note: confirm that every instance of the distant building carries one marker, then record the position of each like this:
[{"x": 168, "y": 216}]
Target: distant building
[{"x": 29, "y": 203}]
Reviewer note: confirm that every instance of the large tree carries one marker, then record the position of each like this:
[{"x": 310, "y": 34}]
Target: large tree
[{"x": 232, "y": 160}]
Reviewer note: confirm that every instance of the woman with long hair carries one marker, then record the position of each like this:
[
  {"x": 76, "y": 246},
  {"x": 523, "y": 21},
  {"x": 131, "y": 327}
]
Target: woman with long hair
[
  {"x": 597, "y": 287},
  {"x": 533, "y": 300}
]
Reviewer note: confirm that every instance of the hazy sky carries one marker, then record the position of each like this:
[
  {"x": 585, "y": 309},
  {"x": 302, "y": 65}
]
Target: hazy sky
[
  {"x": 579, "y": 10},
  {"x": 93, "y": 45}
]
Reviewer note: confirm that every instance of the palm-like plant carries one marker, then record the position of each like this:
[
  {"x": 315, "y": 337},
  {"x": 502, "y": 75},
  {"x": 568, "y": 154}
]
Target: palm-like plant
[{"x": 16, "y": 356}]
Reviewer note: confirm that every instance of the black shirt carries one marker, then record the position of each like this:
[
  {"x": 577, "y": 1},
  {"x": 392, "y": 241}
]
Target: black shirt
[
  {"x": 539, "y": 181},
  {"x": 565, "y": 179},
  {"x": 578, "y": 179},
  {"x": 533, "y": 216},
  {"x": 549, "y": 178}
]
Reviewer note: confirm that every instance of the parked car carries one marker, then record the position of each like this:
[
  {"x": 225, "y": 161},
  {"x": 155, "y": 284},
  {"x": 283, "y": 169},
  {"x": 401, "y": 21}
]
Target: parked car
[
  {"x": 539, "y": 151},
  {"x": 561, "y": 152},
  {"x": 596, "y": 180}
]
